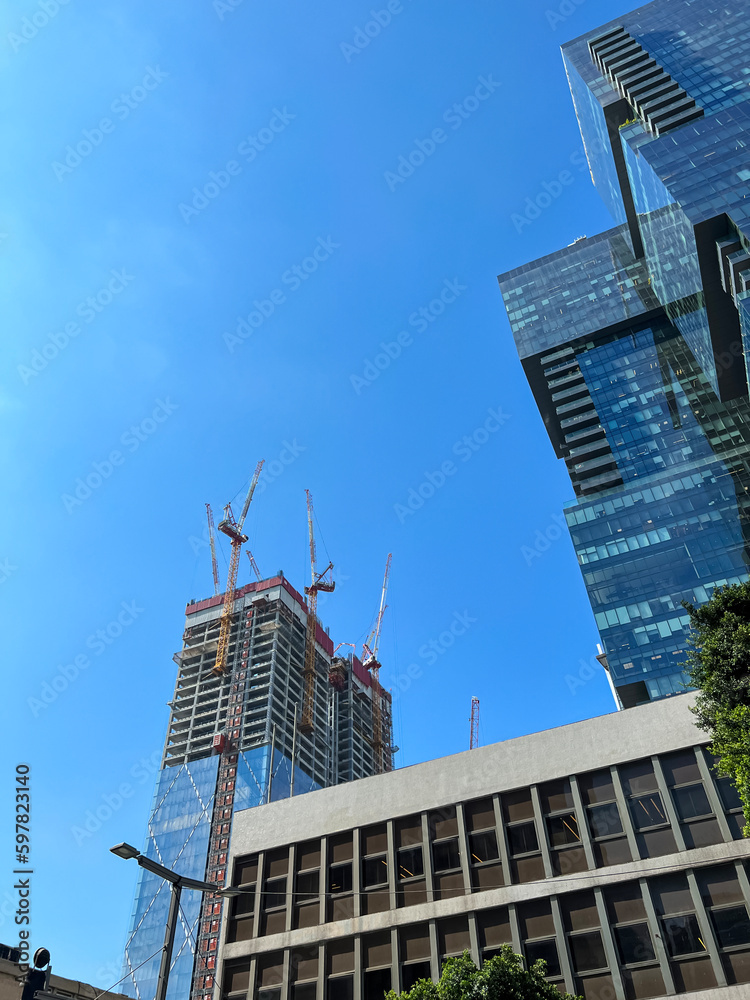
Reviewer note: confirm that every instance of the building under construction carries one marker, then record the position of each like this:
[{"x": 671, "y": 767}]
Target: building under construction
[{"x": 263, "y": 709}]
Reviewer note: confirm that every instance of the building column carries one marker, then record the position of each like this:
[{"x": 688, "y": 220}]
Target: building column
[
  {"x": 395, "y": 964},
  {"x": 463, "y": 847},
  {"x": 713, "y": 795},
  {"x": 502, "y": 841},
  {"x": 583, "y": 826},
  {"x": 562, "y": 944},
  {"x": 666, "y": 795},
  {"x": 427, "y": 857},
  {"x": 658, "y": 941},
  {"x": 358, "y": 971},
  {"x": 609, "y": 944},
  {"x": 322, "y": 913},
  {"x": 515, "y": 933},
  {"x": 434, "y": 952},
  {"x": 474, "y": 940},
  {"x": 627, "y": 822},
  {"x": 392, "y": 862},
  {"x": 356, "y": 873},
  {"x": 541, "y": 834},
  {"x": 707, "y": 930}
]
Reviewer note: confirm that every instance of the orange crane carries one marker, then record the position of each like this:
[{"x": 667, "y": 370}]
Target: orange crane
[
  {"x": 317, "y": 583},
  {"x": 474, "y": 738},
  {"x": 254, "y": 564},
  {"x": 212, "y": 542},
  {"x": 233, "y": 530},
  {"x": 370, "y": 659}
]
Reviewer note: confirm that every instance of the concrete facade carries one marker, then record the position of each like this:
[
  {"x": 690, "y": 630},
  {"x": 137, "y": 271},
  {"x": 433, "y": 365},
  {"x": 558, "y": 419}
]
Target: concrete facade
[
  {"x": 11, "y": 986},
  {"x": 609, "y": 847}
]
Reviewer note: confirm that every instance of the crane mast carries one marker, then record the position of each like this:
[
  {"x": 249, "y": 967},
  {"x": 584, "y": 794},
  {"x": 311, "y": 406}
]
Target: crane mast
[
  {"x": 474, "y": 738},
  {"x": 370, "y": 659},
  {"x": 317, "y": 583},
  {"x": 233, "y": 529},
  {"x": 212, "y": 543}
]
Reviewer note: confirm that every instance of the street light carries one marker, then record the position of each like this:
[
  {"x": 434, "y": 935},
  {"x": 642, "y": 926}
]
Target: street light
[{"x": 176, "y": 885}]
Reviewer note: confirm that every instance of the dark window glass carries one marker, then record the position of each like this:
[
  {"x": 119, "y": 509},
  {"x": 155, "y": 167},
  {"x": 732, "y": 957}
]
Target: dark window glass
[
  {"x": 563, "y": 830},
  {"x": 683, "y": 935},
  {"x": 730, "y": 797},
  {"x": 691, "y": 802},
  {"x": 445, "y": 856},
  {"x": 634, "y": 943},
  {"x": 308, "y": 886},
  {"x": 732, "y": 926},
  {"x": 377, "y": 984},
  {"x": 340, "y": 878},
  {"x": 374, "y": 871},
  {"x": 411, "y": 974},
  {"x": 275, "y": 893},
  {"x": 243, "y": 904},
  {"x": 546, "y": 950},
  {"x": 483, "y": 846},
  {"x": 341, "y": 989},
  {"x": 304, "y": 991},
  {"x": 605, "y": 820},
  {"x": 522, "y": 839},
  {"x": 648, "y": 810},
  {"x": 410, "y": 862},
  {"x": 587, "y": 952}
]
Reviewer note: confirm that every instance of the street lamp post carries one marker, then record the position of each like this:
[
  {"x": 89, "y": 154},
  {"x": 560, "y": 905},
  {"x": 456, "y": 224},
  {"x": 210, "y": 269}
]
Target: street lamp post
[{"x": 176, "y": 885}]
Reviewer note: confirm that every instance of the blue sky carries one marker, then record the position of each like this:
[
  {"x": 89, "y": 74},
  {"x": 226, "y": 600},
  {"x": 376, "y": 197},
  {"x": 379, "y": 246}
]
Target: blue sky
[{"x": 174, "y": 173}]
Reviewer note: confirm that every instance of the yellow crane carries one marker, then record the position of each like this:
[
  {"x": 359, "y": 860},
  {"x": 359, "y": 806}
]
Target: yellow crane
[
  {"x": 233, "y": 530},
  {"x": 370, "y": 659},
  {"x": 317, "y": 583}
]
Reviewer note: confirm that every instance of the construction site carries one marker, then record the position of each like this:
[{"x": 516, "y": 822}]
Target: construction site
[{"x": 265, "y": 707}]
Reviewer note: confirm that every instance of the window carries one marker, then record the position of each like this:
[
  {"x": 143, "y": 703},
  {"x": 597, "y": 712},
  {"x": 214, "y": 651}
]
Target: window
[
  {"x": 522, "y": 839},
  {"x": 699, "y": 826},
  {"x": 648, "y": 811},
  {"x": 411, "y": 886},
  {"x": 682, "y": 935},
  {"x": 374, "y": 871},
  {"x": 448, "y": 878},
  {"x": 410, "y": 862},
  {"x": 634, "y": 943},
  {"x": 340, "y": 904},
  {"x": 446, "y": 856},
  {"x": 727, "y": 911},
  {"x": 562, "y": 827}
]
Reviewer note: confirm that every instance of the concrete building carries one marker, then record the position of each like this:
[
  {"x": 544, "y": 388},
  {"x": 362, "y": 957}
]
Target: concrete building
[
  {"x": 12, "y": 974},
  {"x": 233, "y": 742},
  {"x": 609, "y": 848},
  {"x": 635, "y": 341}
]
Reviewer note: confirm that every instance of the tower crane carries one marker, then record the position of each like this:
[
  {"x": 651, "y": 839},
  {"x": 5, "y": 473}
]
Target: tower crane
[
  {"x": 370, "y": 659},
  {"x": 474, "y": 738},
  {"x": 233, "y": 530},
  {"x": 212, "y": 542},
  {"x": 254, "y": 564},
  {"x": 318, "y": 582}
]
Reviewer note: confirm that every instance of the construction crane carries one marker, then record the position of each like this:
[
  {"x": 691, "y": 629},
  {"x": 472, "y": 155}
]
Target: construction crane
[
  {"x": 212, "y": 542},
  {"x": 233, "y": 530},
  {"x": 317, "y": 583},
  {"x": 254, "y": 564},
  {"x": 370, "y": 659},
  {"x": 474, "y": 738}
]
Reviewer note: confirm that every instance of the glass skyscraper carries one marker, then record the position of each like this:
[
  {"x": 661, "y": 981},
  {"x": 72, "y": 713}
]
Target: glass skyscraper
[
  {"x": 247, "y": 719},
  {"x": 635, "y": 341}
]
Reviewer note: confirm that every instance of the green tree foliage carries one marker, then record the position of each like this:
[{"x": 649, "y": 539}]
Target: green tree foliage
[
  {"x": 719, "y": 666},
  {"x": 502, "y": 977}
]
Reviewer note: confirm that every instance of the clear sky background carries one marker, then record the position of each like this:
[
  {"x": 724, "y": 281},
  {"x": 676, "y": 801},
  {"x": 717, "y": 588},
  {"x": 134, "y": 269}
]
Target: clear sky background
[{"x": 93, "y": 209}]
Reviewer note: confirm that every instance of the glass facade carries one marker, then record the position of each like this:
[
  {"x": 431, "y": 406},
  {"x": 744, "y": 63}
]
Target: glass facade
[
  {"x": 634, "y": 341},
  {"x": 178, "y": 837}
]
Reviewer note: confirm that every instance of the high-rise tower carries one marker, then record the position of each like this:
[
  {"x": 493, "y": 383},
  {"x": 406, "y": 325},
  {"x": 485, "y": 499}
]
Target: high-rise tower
[
  {"x": 234, "y": 741},
  {"x": 635, "y": 341}
]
